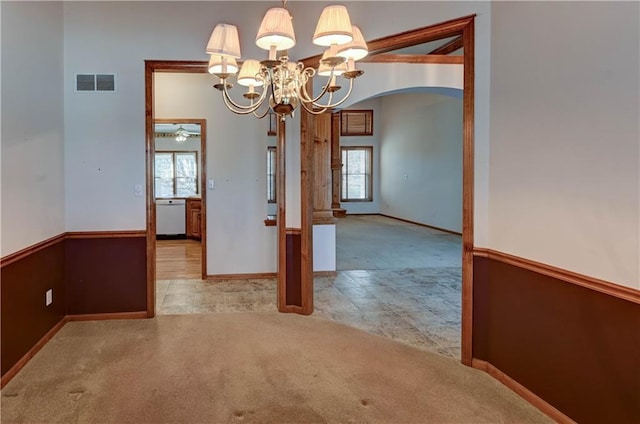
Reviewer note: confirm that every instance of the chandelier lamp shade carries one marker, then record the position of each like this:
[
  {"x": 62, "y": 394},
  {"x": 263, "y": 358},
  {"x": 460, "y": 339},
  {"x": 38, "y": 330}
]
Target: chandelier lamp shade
[{"x": 278, "y": 83}]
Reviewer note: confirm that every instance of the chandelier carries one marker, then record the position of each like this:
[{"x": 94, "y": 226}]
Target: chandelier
[{"x": 278, "y": 82}]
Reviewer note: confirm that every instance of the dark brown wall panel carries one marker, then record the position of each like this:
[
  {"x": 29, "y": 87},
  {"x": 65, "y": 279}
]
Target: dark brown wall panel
[
  {"x": 106, "y": 275},
  {"x": 576, "y": 348},
  {"x": 480, "y": 306},
  {"x": 294, "y": 270},
  {"x": 25, "y": 318}
]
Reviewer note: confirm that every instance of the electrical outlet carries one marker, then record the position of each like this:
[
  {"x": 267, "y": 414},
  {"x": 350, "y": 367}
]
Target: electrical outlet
[
  {"x": 137, "y": 190},
  {"x": 48, "y": 297}
]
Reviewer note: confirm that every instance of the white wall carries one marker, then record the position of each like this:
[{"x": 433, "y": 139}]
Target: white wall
[
  {"x": 374, "y": 141},
  {"x": 565, "y": 152},
  {"x": 421, "y": 159},
  {"x": 237, "y": 240},
  {"x": 33, "y": 192},
  {"x": 104, "y": 140},
  {"x": 105, "y": 132}
]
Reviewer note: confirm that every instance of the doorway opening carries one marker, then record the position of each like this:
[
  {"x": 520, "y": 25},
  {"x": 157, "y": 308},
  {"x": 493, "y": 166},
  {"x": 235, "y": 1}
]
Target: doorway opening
[
  {"x": 177, "y": 202},
  {"x": 449, "y": 44}
]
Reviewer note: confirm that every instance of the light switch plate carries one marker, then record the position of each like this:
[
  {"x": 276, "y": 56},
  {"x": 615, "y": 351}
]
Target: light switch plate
[
  {"x": 48, "y": 297},
  {"x": 212, "y": 184},
  {"x": 137, "y": 189}
]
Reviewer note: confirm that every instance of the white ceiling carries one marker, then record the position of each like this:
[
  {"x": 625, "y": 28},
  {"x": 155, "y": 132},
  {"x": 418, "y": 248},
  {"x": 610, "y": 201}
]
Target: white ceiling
[{"x": 172, "y": 128}]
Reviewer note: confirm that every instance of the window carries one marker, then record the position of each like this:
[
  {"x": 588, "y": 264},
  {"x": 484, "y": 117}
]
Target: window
[
  {"x": 356, "y": 174},
  {"x": 271, "y": 174},
  {"x": 356, "y": 122},
  {"x": 176, "y": 174}
]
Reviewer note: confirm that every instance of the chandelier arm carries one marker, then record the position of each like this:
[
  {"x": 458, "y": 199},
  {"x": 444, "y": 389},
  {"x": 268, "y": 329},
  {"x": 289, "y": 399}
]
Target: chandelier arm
[
  {"x": 330, "y": 105},
  {"x": 250, "y": 108},
  {"x": 304, "y": 95},
  {"x": 311, "y": 111},
  {"x": 240, "y": 111},
  {"x": 263, "y": 115}
]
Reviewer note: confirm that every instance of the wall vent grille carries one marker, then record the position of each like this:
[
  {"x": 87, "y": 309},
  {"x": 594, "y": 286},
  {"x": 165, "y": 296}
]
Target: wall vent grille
[{"x": 95, "y": 82}]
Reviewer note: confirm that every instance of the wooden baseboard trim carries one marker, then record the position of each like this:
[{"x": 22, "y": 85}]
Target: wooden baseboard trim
[
  {"x": 108, "y": 316},
  {"x": 421, "y": 224},
  {"x": 20, "y": 254},
  {"x": 522, "y": 391},
  {"x": 31, "y": 353},
  {"x": 612, "y": 289},
  {"x": 241, "y": 276},
  {"x": 293, "y": 309},
  {"x": 105, "y": 234},
  {"x": 325, "y": 273}
]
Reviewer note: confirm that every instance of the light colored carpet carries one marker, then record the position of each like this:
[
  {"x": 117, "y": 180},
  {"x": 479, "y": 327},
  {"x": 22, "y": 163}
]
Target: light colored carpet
[{"x": 248, "y": 368}]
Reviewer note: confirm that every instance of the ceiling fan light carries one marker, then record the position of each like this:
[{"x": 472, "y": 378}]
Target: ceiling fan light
[
  {"x": 356, "y": 49},
  {"x": 224, "y": 41},
  {"x": 334, "y": 27},
  {"x": 276, "y": 30}
]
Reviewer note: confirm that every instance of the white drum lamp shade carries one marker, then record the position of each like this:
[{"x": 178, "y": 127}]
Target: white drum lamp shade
[
  {"x": 356, "y": 49},
  {"x": 248, "y": 75},
  {"x": 224, "y": 41},
  {"x": 276, "y": 30},
  {"x": 215, "y": 65},
  {"x": 334, "y": 27}
]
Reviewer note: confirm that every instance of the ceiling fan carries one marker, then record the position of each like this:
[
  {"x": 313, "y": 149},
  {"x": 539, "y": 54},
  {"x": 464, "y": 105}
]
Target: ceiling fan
[{"x": 182, "y": 134}]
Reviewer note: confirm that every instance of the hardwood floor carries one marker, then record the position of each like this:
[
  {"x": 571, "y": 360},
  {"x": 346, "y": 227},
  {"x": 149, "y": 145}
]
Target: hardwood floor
[{"x": 178, "y": 259}]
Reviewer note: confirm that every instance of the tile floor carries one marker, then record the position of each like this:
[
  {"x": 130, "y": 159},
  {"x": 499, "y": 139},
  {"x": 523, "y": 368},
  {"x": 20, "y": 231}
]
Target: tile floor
[
  {"x": 420, "y": 307},
  {"x": 397, "y": 280}
]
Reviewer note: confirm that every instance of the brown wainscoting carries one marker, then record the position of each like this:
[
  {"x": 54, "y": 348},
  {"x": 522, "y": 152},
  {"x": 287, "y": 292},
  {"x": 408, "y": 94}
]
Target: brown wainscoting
[
  {"x": 11, "y": 372},
  {"x": 242, "y": 276},
  {"x": 93, "y": 275},
  {"x": 525, "y": 393},
  {"x": 293, "y": 291},
  {"x": 26, "y": 321},
  {"x": 560, "y": 336},
  {"x": 106, "y": 274}
]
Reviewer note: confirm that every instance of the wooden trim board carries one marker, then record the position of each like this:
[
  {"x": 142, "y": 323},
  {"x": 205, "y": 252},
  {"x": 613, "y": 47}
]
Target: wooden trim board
[
  {"x": 105, "y": 234},
  {"x": 420, "y": 224},
  {"x": 31, "y": 353},
  {"x": 23, "y": 253},
  {"x": 107, "y": 316},
  {"x": 606, "y": 287},
  {"x": 522, "y": 391},
  {"x": 216, "y": 277}
]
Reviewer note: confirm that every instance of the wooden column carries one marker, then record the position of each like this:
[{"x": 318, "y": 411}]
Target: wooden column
[
  {"x": 281, "y": 218},
  {"x": 322, "y": 176},
  {"x": 336, "y": 166},
  {"x": 306, "y": 209}
]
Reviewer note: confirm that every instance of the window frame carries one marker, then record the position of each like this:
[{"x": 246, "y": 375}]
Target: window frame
[
  {"x": 273, "y": 176},
  {"x": 174, "y": 154},
  {"x": 366, "y": 115},
  {"x": 368, "y": 177}
]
